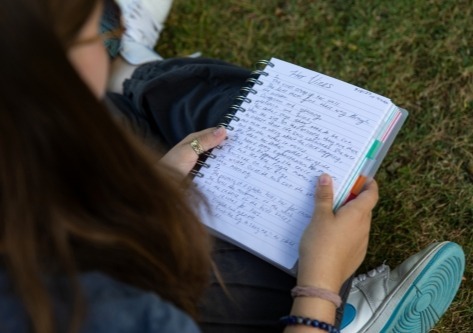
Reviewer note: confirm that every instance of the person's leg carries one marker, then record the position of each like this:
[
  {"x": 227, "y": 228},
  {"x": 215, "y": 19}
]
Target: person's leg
[
  {"x": 143, "y": 21},
  {"x": 254, "y": 294},
  {"x": 184, "y": 95}
]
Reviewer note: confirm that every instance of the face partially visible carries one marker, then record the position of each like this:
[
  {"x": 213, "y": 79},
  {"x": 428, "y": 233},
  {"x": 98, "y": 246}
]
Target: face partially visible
[{"x": 88, "y": 55}]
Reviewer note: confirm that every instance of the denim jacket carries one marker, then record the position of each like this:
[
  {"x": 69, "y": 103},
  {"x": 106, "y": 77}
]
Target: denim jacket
[{"x": 111, "y": 306}]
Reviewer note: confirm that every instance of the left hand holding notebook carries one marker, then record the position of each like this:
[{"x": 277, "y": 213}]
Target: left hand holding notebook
[
  {"x": 334, "y": 244},
  {"x": 183, "y": 156}
]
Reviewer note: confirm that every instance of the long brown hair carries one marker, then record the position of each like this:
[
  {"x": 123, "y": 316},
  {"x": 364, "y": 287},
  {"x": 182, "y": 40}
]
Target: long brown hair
[{"x": 77, "y": 193}]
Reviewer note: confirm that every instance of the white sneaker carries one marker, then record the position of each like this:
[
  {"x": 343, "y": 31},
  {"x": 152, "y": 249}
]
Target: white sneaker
[
  {"x": 411, "y": 298},
  {"x": 144, "y": 21}
]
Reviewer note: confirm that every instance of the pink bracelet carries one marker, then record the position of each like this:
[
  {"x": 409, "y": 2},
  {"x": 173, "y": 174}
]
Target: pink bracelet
[{"x": 308, "y": 291}]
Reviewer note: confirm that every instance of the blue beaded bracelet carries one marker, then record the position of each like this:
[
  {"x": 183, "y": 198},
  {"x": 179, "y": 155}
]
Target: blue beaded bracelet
[{"x": 298, "y": 320}]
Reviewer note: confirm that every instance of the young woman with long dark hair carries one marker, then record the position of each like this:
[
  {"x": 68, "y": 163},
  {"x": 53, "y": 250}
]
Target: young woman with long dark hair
[{"x": 97, "y": 233}]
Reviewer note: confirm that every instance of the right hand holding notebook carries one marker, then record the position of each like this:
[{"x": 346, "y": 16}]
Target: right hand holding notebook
[{"x": 334, "y": 244}]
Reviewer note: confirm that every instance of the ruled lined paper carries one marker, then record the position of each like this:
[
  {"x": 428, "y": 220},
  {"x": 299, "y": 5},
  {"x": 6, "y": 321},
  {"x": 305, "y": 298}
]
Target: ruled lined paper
[{"x": 298, "y": 125}]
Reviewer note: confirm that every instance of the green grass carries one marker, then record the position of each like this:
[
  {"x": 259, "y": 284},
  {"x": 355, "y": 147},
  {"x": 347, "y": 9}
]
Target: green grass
[{"x": 420, "y": 54}]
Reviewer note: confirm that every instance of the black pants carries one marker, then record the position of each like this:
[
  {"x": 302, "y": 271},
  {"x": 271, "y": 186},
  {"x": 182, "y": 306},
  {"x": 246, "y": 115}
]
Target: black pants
[{"x": 164, "y": 102}]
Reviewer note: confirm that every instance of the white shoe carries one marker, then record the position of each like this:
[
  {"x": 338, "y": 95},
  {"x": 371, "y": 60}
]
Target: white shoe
[
  {"x": 409, "y": 299},
  {"x": 144, "y": 21}
]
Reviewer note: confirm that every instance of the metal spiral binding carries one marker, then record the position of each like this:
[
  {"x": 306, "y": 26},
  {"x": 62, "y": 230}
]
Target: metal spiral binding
[
  {"x": 263, "y": 63},
  {"x": 231, "y": 117},
  {"x": 243, "y": 99},
  {"x": 248, "y": 90},
  {"x": 203, "y": 164},
  {"x": 228, "y": 127},
  {"x": 234, "y": 108},
  {"x": 196, "y": 173},
  {"x": 208, "y": 154},
  {"x": 237, "y": 108},
  {"x": 245, "y": 91},
  {"x": 259, "y": 72},
  {"x": 254, "y": 81}
]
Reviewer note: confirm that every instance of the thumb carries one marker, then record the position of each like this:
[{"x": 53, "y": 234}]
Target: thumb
[
  {"x": 324, "y": 197},
  {"x": 211, "y": 137}
]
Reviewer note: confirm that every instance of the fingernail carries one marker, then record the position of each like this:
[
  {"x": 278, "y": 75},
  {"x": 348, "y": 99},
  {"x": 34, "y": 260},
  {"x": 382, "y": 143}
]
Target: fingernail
[
  {"x": 324, "y": 179},
  {"x": 219, "y": 131}
]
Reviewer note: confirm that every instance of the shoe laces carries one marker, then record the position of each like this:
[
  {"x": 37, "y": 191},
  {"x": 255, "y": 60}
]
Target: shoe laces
[
  {"x": 372, "y": 273},
  {"x": 140, "y": 25}
]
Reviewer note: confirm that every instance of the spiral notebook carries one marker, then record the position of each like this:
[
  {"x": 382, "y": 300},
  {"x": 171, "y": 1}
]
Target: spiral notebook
[{"x": 289, "y": 126}]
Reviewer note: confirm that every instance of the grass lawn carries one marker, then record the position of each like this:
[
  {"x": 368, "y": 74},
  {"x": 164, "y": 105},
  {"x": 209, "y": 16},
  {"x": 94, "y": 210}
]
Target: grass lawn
[{"x": 417, "y": 52}]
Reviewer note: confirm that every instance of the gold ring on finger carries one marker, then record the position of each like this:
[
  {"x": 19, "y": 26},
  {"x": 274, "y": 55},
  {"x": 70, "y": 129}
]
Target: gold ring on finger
[{"x": 197, "y": 147}]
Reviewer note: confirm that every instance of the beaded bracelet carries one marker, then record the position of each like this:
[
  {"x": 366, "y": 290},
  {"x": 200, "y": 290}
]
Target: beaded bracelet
[{"x": 298, "y": 320}]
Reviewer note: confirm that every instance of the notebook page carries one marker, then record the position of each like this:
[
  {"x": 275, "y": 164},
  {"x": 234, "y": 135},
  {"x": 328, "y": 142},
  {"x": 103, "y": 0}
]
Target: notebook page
[{"x": 300, "y": 124}]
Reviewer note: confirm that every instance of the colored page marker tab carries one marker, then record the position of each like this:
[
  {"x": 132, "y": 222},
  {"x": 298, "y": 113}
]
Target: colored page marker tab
[
  {"x": 374, "y": 149},
  {"x": 360, "y": 182},
  {"x": 356, "y": 189},
  {"x": 366, "y": 172}
]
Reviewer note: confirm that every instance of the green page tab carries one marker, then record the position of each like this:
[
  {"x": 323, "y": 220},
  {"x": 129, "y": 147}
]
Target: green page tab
[{"x": 374, "y": 149}]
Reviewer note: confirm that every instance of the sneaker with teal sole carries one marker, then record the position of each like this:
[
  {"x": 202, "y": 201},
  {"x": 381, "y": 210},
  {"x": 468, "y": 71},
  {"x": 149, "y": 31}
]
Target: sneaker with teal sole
[{"x": 411, "y": 298}]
